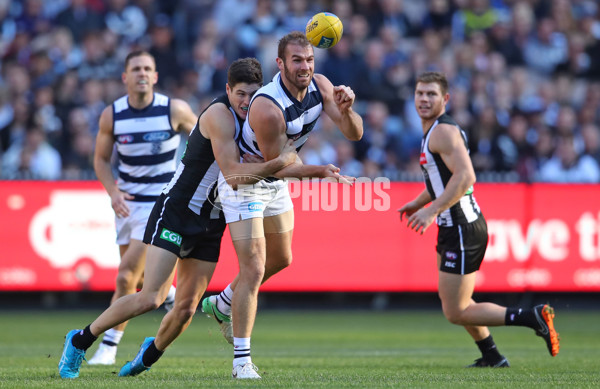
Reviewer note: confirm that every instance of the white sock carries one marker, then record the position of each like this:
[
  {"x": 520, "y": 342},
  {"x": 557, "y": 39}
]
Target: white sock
[
  {"x": 241, "y": 351},
  {"x": 171, "y": 294},
  {"x": 224, "y": 300},
  {"x": 112, "y": 337}
]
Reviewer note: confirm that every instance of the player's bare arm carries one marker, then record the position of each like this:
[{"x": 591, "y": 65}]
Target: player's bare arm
[
  {"x": 218, "y": 125},
  {"x": 447, "y": 142},
  {"x": 266, "y": 119},
  {"x": 182, "y": 116},
  {"x": 102, "y": 165},
  {"x": 337, "y": 104}
]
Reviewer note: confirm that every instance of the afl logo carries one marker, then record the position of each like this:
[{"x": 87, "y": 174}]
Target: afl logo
[
  {"x": 156, "y": 136},
  {"x": 124, "y": 139},
  {"x": 423, "y": 159},
  {"x": 450, "y": 255}
]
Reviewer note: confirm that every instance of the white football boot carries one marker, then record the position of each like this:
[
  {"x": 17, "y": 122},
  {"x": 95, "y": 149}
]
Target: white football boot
[
  {"x": 105, "y": 355},
  {"x": 245, "y": 371}
]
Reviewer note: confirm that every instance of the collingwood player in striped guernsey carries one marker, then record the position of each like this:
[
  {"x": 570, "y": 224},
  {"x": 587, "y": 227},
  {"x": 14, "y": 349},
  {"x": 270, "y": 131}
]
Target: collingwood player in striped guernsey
[
  {"x": 185, "y": 228},
  {"x": 145, "y": 127},
  {"x": 462, "y": 230},
  {"x": 262, "y": 216}
]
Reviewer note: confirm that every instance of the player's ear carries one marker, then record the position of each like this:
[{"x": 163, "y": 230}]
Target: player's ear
[{"x": 155, "y": 78}]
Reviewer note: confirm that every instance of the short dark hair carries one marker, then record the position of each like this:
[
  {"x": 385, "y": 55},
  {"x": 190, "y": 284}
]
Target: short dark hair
[
  {"x": 246, "y": 70},
  {"x": 434, "y": 77},
  {"x": 295, "y": 37},
  {"x": 138, "y": 53}
]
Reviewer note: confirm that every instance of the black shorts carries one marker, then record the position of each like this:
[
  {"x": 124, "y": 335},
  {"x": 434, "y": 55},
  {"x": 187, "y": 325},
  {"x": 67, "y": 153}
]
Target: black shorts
[
  {"x": 174, "y": 227},
  {"x": 462, "y": 247}
]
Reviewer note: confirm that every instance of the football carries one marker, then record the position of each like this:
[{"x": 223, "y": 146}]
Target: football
[{"x": 324, "y": 30}]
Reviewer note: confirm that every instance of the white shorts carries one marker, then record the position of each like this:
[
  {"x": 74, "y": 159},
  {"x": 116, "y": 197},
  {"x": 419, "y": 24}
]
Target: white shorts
[
  {"x": 262, "y": 199},
  {"x": 134, "y": 225}
]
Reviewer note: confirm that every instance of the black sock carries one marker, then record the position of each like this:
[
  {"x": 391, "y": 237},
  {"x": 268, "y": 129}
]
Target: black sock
[
  {"x": 84, "y": 339},
  {"x": 151, "y": 355},
  {"x": 488, "y": 349},
  {"x": 520, "y": 317}
]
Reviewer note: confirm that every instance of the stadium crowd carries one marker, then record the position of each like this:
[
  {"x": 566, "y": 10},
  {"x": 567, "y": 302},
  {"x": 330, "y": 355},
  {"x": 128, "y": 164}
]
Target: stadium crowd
[{"x": 525, "y": 77}]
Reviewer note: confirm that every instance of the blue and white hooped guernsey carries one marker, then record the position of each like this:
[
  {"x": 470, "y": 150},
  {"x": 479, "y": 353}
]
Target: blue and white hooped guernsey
[
  {"x": 146, "y": 147},
  {"x": 300, "y": 116}
]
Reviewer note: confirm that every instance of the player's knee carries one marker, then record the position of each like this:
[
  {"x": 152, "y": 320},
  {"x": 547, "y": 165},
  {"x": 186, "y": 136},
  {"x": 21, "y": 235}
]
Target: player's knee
[
  {"x": 125, "y": 280},
  {"x": 454, "y": 316},
  {"x": 184, "y": 314},
  {"x": 283, "y": 262},
  {"x": 253, "y": 273}
]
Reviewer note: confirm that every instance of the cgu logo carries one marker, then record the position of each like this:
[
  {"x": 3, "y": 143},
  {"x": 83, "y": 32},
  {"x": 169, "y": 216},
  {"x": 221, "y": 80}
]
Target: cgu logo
[
  {"x": 255, "y": 206},
  {"x": 171, "y": 237}
]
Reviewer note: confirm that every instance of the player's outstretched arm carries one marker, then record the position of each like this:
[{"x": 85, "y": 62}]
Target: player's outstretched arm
[{"x": 337, "y": 104}]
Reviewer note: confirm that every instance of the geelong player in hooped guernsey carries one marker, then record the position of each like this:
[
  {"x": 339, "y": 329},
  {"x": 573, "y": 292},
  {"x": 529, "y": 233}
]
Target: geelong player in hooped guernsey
[
  {"x": 300, "y": 117},
  {"x": 145, "y": 127},
  {"x": 146, "y": 147}
]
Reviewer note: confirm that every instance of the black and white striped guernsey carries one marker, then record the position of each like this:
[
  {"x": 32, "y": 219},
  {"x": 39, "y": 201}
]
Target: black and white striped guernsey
[
  {"x": 300, "y": 116},
  {"x": 437, "y": 175},
  {"x": 146, "y": 147},
  {"x": 195, "y": 180}
]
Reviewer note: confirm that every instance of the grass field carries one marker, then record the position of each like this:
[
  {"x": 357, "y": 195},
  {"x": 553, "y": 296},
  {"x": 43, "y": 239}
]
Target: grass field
[{"x": 307, "y": 349}]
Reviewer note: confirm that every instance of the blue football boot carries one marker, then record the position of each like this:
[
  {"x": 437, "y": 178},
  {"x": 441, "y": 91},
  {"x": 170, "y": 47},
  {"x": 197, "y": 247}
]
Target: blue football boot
[
  {"x": 71, "y": 359},
  {"x": 136, "y": 366}
]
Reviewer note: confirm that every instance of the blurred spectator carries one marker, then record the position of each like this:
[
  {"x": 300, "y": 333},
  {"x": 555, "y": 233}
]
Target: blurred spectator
[
  {"x": 567, "y": 166},
  {"x": 79, "y": 162},
  {"x": 93, "y": 103},
  {"x": 8, "y": 26},
  {"x": 371, "y": 83},
  {"x": 256, "y": 31},
  {"x": 33, "y": 158},
  {"x": 126, "y": 20},
  {"x": 32, "y": 19},
  {"x": 80, "y": 19},
  {"x": 382, "y": 133},
  {"x": 476, "y": 16},
  {"x": 439, "y": 18},
  {"x": 390, "y": 13},
  {"x": 296, "y": 15},
  {"x": 342, "y": 66},
  {"x": 590, "y": 137},
  {"x": 230, "y": 14},
  {"x": 545, "y": 50},
  {"x": 511, "y": 149},
  {"x": 346, "y": 160},
  {"x": 163, "y": 49}
]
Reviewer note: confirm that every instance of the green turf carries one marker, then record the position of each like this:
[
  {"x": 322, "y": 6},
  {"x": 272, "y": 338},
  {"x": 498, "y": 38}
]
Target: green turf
[{"x": 302, "y": 349}]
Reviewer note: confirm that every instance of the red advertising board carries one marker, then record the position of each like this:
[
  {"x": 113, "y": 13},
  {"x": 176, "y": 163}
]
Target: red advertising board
[{"x": 60, "y": 236}]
